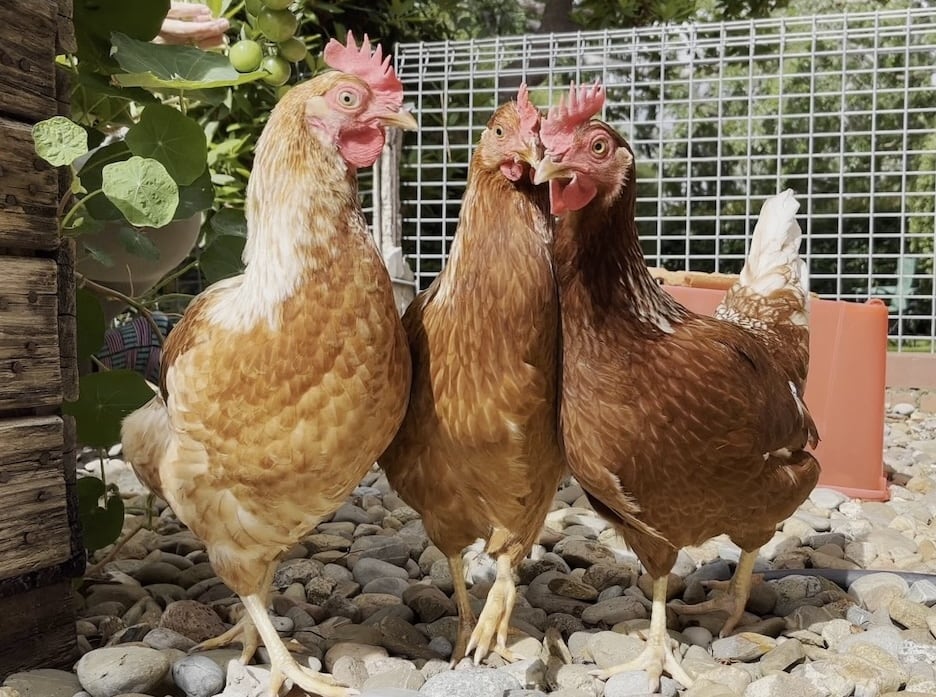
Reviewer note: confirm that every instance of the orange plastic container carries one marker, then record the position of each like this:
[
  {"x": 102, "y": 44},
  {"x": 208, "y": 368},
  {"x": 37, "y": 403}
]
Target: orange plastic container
[{"x": 845, "y": 389}]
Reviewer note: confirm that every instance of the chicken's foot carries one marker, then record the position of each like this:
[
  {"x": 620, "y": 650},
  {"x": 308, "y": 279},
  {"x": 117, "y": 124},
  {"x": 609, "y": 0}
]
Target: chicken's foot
[
  {"x": 495, "y": 617},
  {"x": 733, "y": 601},
  {"x": 658, "y": 657},
  {"x": 244, "y": 632},
  {"x": 283, "y": 665},
  {"x": 466, "y": 618}
]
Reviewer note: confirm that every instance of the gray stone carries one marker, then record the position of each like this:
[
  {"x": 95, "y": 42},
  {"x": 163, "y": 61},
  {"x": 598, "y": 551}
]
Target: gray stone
[
  {"x": 353, "y": 649},
  {"x": 192, "y": 619},
  {"x": 579, "y": 552},
  {"x": 44, "y": 682},
  {"x": 825, "y": 677},
  {"x": 398, "y": 678},
  {"x": 246, "y": 681},
  {"x": 380, "y": 547},
  {"x": 109, "y": 671},
  {"x": 296, "y": 571},
  {"x": 571, "y": 588},
  {"x": 349, "y": 513},
  {"x": 877, "y": 590},
  {"x": 795, "y": 591},
  {"x": 349, "y": 671},
  {"x": 734, "y": 677},
  {"x": 608, "y": 649},
  {"x": 387, "y": 585},
  {"x": 699, "y": 636},
  {"x": 922, "y": 591},
  {"x": 576, "y": 677},
  {"x": 368, "y": 569},
  {"x": 198, "y": 676},
  {"x": 529, "y": 672},
  {"x": 782, "y": 656},
  {"x": 628, "y": 684},
  {"x": 782, "y": 685},
  {"x": 470, "y": 683},
  {"x": 745, "y": 646},
  {"x": 441, "y": 576},
  {"x": 615, "y": 610}
]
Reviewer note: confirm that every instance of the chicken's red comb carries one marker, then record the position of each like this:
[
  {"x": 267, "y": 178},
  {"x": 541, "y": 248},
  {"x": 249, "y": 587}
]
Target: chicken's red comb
[
  {"x": 372, "y": 68},
  {"x": 529, "y": 114},
  {"x": 557, "y": 128}
]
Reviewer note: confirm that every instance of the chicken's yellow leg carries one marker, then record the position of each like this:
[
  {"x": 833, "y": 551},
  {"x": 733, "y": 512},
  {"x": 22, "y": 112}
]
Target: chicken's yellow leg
[
  {"x": 734, "y": 601},
  {"x": 466, "y": 618},
  {"x": 495, "y": 617},
  {"x": 244, "y": 630},
  {"x": 283, "y": 665},
  {"x": 657, "y": 658}
]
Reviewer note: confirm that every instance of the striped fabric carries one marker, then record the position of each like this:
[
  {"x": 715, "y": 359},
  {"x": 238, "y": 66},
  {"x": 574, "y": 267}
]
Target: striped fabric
[{"x": 134, "y": 345}]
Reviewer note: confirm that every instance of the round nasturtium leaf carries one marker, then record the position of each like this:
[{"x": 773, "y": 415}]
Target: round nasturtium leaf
[
  {"x": 59, "y": 141},
  {"x": 104, "y": 399},
  {"x": 142, "y": 190},
  {"x": 169, "y": 136}
]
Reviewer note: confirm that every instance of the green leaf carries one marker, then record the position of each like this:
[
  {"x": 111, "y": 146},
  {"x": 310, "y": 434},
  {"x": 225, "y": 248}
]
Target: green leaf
[
  {"x": 59, "y": 140},
  {"x": 222, "y": 258},
  {"x": 100, "y": 526},
  {"x": 196, "y": 197},
  {"x": 104, "y": 399},
  {"x": 99, "y": 255},
  {"x": 91, "y": 323},
  {"x": 93, "y": 178},
  {"x": 169, "y": 66},
  {"x": 229, "y": 221},
  {"x": 143, "y": 191},
  {"x": 138, "y": 243},
  {"x": 172, "y": 138},
  {"x": 96, "y": 19},
  {"x": 90, "y": 490}
]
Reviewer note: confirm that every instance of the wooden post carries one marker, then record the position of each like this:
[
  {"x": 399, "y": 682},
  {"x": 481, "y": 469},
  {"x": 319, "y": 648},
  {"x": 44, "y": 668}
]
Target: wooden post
[
  {"x": 40, "y": 546},
  {"x": 388, "y": 220}
]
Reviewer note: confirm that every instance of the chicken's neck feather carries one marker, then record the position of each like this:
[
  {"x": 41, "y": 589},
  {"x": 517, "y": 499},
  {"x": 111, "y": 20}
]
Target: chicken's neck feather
[
  {"x": 301, "y": 202},
  {"x": 497, "y": 217},
  {"x": 600, "y": 264}
]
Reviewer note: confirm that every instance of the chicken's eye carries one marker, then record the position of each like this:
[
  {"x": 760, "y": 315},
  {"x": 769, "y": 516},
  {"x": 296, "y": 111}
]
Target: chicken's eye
[
  {"x": 347, "y": 98},
  {"x": 600, "y": 146},
  {"x": 499, "y": 131}
]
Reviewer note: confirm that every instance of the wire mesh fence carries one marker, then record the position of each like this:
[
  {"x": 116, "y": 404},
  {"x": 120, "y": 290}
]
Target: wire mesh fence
[{"x": 840, "y": 108}]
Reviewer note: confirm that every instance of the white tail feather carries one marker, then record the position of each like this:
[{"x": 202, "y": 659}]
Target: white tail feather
[{"x": 773, "y": 261}]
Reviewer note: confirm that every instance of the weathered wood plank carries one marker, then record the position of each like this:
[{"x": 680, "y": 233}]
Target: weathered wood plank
[
  {"x": 37, "y": 629},
  {"x": 27, "y": 58},
  {"x": 21, "y": 231},
  {"x": 68, "y": 319},
  {"x": 34, "y": 530},
  {"x": 65, "y": 34},
  {"x": 30, "y": 362},
  {"x": 26, "y": 181}
]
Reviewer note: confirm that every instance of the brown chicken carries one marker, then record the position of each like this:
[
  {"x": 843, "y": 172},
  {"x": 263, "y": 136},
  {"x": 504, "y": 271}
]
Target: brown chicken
[
  {"x": 477, "y": 454},
  {"x": 280, "y": 387},
  {"x": 697, "y": 421}
]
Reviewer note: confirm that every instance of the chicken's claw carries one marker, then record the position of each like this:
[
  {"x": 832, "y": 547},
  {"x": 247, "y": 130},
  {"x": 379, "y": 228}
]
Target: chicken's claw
[
  {"x": 495, "y": 617},
  {"x": 244, "y": 632}
]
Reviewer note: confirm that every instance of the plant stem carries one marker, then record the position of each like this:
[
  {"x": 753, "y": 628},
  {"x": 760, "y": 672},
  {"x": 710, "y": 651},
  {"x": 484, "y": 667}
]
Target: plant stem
[
  {"x": 118, "y": 545},
  {"x": 181, "y": 271},
  {"x": 74, "y": 209},
  {"x": 85, "y": 282}
]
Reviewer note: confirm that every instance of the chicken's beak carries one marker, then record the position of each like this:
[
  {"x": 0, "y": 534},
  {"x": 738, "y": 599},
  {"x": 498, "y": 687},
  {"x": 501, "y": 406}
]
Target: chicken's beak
[
  {"x": 548, "y": 170},
  {"x": 399, "y": 119},
  {"x": 530, "y": 153}
]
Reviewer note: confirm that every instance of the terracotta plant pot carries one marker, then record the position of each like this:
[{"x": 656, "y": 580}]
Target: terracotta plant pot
[{"x": 845, "y": 390}]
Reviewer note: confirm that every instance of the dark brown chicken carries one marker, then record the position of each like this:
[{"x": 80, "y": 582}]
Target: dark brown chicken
[
  {"x": 477, "y": 454},
  {"x": 696, "y": 420}
]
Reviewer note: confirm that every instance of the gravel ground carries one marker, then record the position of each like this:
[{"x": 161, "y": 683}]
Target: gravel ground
[{"x": 368, "y": 599}]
